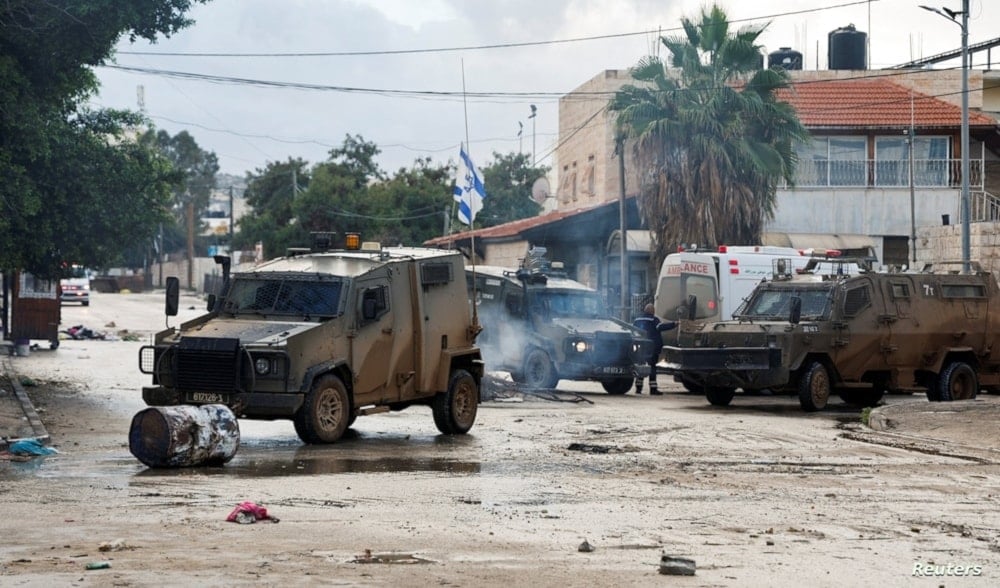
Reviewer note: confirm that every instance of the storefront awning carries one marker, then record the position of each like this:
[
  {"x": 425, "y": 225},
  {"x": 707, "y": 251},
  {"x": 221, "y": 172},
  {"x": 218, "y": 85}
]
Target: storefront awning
[
  {"x": 636, "y": 241},
  {"x": 820, "y": 241}
]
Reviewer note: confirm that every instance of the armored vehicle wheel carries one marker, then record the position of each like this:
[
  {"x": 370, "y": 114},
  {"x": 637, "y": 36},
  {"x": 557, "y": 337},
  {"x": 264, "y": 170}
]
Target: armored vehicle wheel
[
  {"x": 958, "y": 381},
  {"x": 617, "y": 386},
  {"x": 719, "y": 396},
  {"x": 814, "y": 388},
  {"x": 326, "y": 412},
  {"x": 539, "y": 371},
  {"x": 455, "y": 410}
]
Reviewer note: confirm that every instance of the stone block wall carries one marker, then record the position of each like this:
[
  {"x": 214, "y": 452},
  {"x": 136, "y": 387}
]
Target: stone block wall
[{"x": 944, "y": 243}]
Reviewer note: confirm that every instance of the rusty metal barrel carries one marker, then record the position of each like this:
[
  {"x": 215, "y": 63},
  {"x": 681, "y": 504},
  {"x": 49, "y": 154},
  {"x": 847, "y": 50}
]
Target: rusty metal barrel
[{"x": 184, "y": 436}]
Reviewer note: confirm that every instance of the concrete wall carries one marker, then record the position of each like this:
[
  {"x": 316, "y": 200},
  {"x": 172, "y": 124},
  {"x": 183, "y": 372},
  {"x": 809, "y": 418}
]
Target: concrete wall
[
  {"x": 585, "y": 171},
  {"x": 859, "y": 211},
  {"x": 940, "y": 243},
  {"x": 179, "y": 269},
  {"x": 507, "y": 254}
]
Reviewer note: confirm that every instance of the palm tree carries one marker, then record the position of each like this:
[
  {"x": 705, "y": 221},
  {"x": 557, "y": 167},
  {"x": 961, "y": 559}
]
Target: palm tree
[{"x": 711, "y": 140}]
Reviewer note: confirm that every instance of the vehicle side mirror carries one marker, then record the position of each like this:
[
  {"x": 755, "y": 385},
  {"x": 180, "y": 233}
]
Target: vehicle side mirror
[
  {"x": 795, "y": 310},
  {"x": 211, "y": 302},
  {"x": 173, "y": 296}
]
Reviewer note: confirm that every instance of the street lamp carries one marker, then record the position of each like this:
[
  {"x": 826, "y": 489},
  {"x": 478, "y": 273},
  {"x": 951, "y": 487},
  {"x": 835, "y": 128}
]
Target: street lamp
[{"x": 966, "y": 204}]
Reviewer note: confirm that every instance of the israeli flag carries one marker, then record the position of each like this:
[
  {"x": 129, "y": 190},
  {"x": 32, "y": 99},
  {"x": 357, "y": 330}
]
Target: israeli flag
[{"x": 469, "y": 191}]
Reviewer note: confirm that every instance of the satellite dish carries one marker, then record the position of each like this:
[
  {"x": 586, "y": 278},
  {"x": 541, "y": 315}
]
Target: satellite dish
[{"x": 540, "y": 190}]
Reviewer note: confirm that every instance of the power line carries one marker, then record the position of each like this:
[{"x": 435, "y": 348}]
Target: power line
[
  {"x": 426, "y": 94},
  {"x": 479, "y": 47}
]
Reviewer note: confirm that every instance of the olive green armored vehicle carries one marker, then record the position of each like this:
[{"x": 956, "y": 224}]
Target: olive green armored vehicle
[
  {"x": 323, "y": 336},
  {"x": 542, "y": 327},
  {"x": 858, "y": 336}
]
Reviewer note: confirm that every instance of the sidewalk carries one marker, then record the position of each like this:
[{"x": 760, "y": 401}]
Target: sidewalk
[{"x": 18, "y": 419}]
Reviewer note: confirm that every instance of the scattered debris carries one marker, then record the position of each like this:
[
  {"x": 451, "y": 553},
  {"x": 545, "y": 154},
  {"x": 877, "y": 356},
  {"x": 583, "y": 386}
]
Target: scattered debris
[
  {"x": 247, "y": 513},
  {"x": 81, "y": 332},
  {"x": 388, "y": 558},
  {"x": 500, "y": 389},
  {"x": 676, "y": 566},
  {"x": 30, "y": 447},
  {"x": 589, "y": 448},
  {"x": 585, "y": 547},
  {"x": 116, "y": 545},
  {"x": 26, "y": 381},
  {"x": 98, "y": 565}
]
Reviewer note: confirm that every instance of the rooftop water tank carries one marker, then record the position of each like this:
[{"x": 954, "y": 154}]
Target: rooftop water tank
[
  {"x": 847, "y": 48},
  {"x": 785, "y": 58}
]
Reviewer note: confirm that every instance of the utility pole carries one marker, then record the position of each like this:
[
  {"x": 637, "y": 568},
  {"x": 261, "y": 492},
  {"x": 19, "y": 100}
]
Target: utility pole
[
  {"x": 622, "y": 227},
  {"x": 231, "y": 213},
  {"x": 190, "y": 241},
  {"x": 534, "y": 153}
]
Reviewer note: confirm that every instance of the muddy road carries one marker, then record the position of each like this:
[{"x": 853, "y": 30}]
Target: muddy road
[{"x": 758, "y": 494}]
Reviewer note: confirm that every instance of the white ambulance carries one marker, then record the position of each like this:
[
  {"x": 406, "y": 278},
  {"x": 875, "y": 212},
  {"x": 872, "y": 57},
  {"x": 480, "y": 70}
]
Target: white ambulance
[{"x": 721, "y": 280}]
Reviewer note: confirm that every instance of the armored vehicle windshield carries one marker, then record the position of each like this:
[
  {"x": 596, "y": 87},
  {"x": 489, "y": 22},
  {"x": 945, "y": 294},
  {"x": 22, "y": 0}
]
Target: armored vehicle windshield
[
  {"x": 773, "y": 302},
  {"x": 310, "y": 296},
  {"x": 570, "y": 304}
]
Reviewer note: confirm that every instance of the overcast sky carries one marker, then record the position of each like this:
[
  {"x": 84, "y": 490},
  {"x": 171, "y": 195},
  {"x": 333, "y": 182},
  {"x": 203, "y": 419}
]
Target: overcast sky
[{"x": 418, "y": 109}]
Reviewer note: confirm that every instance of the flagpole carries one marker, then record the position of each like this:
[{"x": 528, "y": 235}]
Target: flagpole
[{"x": 472, "y": 229}]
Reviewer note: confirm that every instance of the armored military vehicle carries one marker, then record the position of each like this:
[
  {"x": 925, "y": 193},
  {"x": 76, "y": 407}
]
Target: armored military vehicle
[
  {"x": 542, "y": 327},
  {"x": 860, "y": 336},
  {"x": 323, "y": 336}
]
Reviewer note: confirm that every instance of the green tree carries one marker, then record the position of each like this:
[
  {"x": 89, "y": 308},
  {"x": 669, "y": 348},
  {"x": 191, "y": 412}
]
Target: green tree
[
  {"x": 337, "y": 197},
  {"x": 72, "y": 187},
  {"x": 508, "y": 180},
  {"x": 711, "y": 140},
  {"x": 196, "y": 167},
  {"x": 270, "y": 194},
  {"x": 410, "y": 207}
]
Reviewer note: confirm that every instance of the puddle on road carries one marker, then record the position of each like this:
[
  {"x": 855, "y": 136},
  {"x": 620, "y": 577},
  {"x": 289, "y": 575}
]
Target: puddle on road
[
  {"x": 357, "y": 453},
  {"x": 316, "y": 461}
]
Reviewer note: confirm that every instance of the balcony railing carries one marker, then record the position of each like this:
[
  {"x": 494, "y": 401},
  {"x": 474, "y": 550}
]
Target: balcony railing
[
  {"x": 985, "y": 207},
  {"x": 927, "y": 173}
]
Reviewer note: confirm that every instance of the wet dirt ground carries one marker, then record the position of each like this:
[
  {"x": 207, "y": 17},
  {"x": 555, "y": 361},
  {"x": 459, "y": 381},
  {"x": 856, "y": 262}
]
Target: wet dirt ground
[{"x": 758, "y": 494}]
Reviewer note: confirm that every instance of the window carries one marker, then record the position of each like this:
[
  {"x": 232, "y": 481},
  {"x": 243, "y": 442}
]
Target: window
[
  {"x": 930, "y": 161},
  {"x": 833, "y": 161},
  {"x": 900, "y": 290},
  {"x": 374, "y": 303},
  {"x": 857, "y": 299},
  {"x": 963, "y": 291},
  {"x": 303, "y": 296}
]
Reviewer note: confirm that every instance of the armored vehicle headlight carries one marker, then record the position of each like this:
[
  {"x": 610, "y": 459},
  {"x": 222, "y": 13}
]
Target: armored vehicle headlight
[
  {"x": 580, "y": 346},
  {"x": 262, "y": 365}
]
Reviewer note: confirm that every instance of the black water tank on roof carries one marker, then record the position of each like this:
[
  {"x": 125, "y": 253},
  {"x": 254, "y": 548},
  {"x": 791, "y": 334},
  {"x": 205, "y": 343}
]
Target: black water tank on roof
[
  {"x": 847, "y": 48},
  {"x": 785, "y": 58}
]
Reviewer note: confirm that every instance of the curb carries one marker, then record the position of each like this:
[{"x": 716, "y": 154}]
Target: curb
[{"x": 38, "y": 429}]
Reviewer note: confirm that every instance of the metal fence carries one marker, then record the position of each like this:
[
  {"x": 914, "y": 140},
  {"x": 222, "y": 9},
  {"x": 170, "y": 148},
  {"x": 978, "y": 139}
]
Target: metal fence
[{"x": 927, "y": 173}]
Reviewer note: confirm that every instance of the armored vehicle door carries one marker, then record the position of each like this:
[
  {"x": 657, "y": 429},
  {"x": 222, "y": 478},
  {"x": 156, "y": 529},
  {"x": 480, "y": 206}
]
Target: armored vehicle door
[
  {"x": 857, "y": 332},
  {"x": 899, "y": 324},
  {"x": 965, "y": 297},
  {"x": 373, "y": 356}
]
